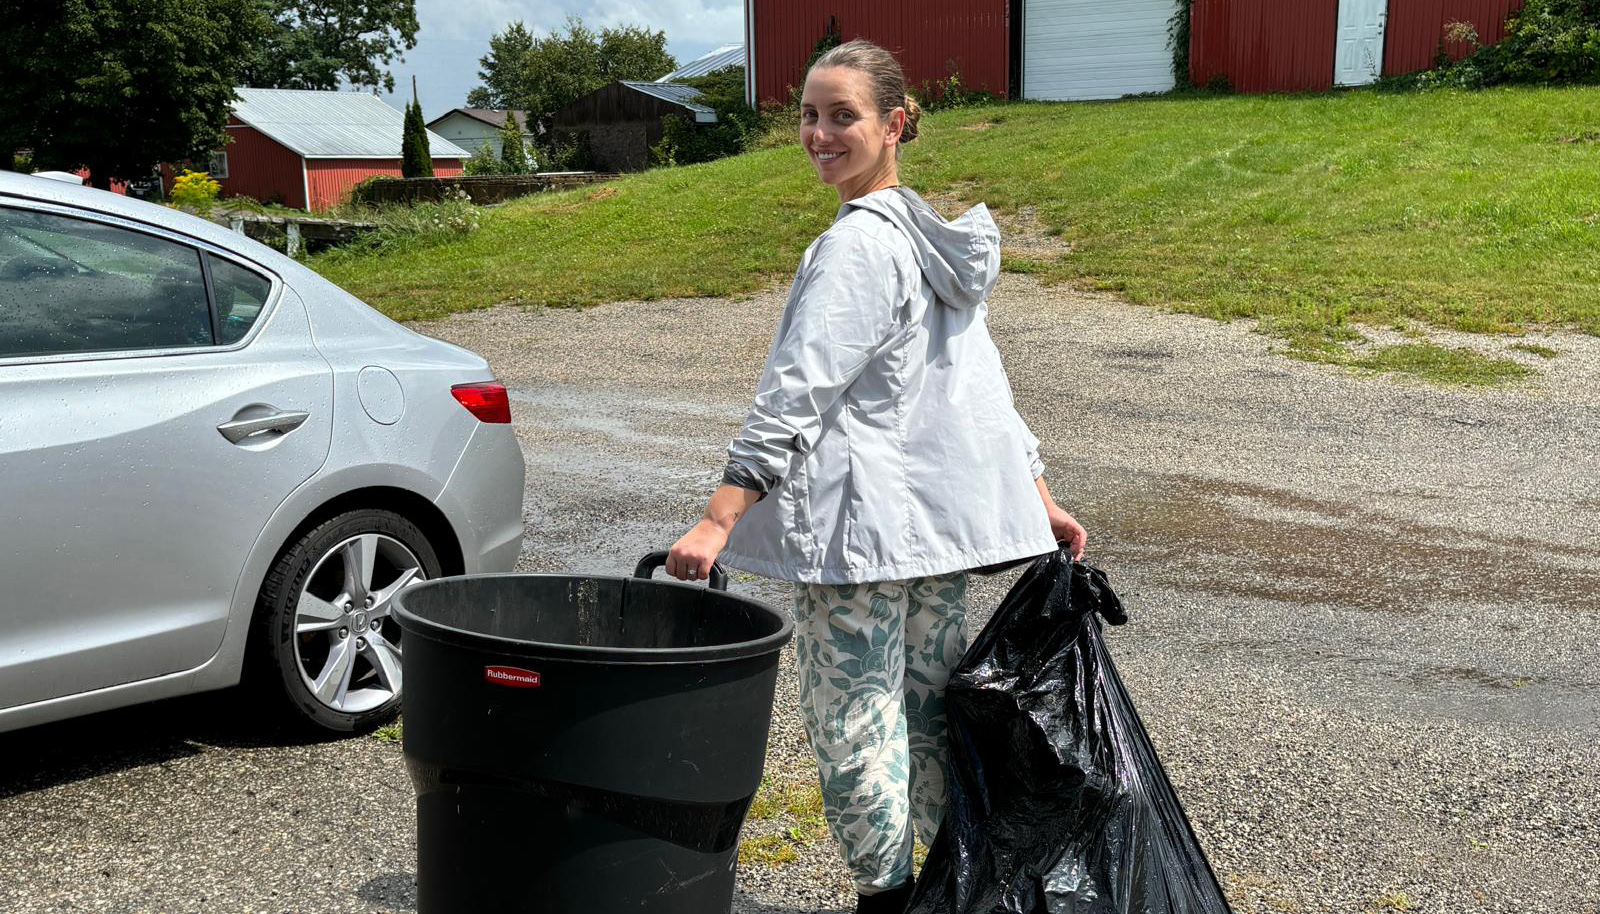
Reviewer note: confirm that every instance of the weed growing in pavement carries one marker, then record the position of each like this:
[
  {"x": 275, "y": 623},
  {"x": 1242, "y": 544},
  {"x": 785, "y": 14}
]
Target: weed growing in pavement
[
  {"x": 1543, "y": 352},
  {"x": 794, "y": 804},
  {"x": 1442, "y": 364},
  {"x": 1394, "y": 901},
  {"x": 768, "y": 851},
  {"x": 1009, "y": 264},
  {"x": 389, "y": 733}
]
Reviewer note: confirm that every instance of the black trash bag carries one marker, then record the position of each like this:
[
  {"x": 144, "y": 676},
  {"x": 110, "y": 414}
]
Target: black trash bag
[{"x": 1058, "y": 804}]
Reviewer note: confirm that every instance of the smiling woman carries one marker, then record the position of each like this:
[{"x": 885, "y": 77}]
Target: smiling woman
[{"x": 881, "y": 461}]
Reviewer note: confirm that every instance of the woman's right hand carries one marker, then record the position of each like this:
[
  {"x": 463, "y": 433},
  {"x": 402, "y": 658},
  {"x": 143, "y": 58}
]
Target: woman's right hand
[{"x": 692, "y": 556}]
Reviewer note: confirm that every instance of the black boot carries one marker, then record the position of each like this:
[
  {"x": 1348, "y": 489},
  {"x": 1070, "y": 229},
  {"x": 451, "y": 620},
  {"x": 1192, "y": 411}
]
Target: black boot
[{"x": 889, "y": 901}]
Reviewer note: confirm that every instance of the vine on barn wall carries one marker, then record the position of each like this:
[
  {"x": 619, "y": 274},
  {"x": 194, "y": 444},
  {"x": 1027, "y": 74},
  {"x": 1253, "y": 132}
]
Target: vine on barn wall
[{"x": 1178, "y": 33}]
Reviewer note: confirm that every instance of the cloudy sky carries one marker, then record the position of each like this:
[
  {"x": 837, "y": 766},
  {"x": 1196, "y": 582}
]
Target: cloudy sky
[{"x": 455, "y": 33}]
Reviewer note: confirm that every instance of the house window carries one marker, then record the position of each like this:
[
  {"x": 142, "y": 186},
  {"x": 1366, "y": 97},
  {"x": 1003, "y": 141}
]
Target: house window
[{"x": 218, "y": 168}]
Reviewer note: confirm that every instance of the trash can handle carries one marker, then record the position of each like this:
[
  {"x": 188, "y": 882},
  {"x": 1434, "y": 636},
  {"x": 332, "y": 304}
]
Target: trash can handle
[{"x": 649, "y": 564}]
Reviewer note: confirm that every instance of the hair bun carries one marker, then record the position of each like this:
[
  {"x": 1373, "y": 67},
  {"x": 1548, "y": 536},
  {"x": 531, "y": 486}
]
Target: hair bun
[{"x": 913, "y": 114}]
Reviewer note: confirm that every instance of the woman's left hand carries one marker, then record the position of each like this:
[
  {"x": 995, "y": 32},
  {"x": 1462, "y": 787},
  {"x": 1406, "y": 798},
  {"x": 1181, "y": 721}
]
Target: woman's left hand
[{"x": 1068, "y": 531}]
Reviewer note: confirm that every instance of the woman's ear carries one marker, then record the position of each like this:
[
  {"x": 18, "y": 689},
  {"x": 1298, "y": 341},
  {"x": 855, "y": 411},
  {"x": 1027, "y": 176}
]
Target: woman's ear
[{"x": 896, "y": 126}]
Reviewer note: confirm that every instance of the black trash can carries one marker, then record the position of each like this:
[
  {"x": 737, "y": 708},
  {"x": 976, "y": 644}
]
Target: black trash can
[{"x": 583, "y": 744}]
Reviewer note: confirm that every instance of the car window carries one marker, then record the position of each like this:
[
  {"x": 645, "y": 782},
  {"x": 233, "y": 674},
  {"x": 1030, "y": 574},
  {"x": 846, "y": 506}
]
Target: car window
[
  {"x": 240, "y": 295},
  {"x": 71, "y": 285}
]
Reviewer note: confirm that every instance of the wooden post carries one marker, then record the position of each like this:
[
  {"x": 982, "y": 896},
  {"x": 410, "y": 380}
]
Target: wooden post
[{"x": 292, "y": 245}]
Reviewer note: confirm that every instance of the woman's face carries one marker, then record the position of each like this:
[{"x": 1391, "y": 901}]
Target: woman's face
[{"x": 849, "y": 142}]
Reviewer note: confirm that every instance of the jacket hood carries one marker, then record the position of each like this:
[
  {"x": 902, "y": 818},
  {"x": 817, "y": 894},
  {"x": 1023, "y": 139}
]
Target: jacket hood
[{"x": 959, "y": 257}]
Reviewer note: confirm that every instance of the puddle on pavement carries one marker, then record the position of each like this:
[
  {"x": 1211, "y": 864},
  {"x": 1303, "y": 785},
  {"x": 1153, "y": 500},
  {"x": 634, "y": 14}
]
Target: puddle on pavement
[{"x": 1259, "y": 542}]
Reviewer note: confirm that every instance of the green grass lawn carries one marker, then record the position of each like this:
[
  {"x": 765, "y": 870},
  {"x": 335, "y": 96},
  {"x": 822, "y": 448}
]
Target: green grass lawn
[{"x": 1477, "y": 211}]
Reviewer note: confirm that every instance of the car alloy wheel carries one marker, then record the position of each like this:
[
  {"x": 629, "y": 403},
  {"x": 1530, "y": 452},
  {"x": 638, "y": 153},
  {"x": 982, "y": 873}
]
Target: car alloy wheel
[{"x": 346, "y": 643}]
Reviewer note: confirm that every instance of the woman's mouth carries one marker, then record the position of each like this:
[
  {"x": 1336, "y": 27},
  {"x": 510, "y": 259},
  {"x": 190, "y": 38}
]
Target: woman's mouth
[{"x": 828, "y": 156}]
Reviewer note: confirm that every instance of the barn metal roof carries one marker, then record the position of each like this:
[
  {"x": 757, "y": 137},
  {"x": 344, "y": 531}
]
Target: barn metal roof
[
  {"x": 677, "y": 94},
  {"x": 729, "y": 55},
  {"x": 332, "y": 125}
]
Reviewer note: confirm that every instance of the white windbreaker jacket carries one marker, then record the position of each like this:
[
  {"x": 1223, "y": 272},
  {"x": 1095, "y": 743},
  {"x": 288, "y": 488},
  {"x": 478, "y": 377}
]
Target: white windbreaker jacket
[{"x": 884, "y": 423}]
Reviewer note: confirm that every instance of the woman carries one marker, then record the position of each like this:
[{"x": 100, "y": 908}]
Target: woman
[{"x": 882, "y": 460}]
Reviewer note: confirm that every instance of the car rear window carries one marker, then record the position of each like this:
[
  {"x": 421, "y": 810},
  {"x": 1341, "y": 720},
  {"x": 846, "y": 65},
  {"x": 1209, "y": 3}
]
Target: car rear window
[
  {"x": 71, "y": 285},
  {"x": 240, "y": 295}
]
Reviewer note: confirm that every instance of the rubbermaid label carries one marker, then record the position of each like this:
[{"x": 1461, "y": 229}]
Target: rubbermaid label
[{"x": 511, "y": 676}]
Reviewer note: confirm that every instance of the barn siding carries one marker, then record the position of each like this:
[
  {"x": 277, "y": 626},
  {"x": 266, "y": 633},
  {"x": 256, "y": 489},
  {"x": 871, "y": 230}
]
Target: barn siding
[
  {"x": 261, "y": 168},
  {"x": 331, "y": 179},
  {"x": 1415, "y": 28},
  {"x": 930, "y": 38},
  {"x": 1264, "y": 45},
  {"x": 618, "y": 125}
]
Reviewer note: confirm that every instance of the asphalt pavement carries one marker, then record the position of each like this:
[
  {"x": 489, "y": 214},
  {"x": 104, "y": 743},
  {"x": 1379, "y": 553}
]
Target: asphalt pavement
[{"x": 1365, "y": 619}]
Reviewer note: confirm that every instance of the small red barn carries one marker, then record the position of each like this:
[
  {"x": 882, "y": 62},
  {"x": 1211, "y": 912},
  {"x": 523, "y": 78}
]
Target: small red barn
[{"x": 306, "y": 148}]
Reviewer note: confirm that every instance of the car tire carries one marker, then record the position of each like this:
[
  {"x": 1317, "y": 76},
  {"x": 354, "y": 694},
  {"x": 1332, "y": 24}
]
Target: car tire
[{"x": 326, "y": 647}]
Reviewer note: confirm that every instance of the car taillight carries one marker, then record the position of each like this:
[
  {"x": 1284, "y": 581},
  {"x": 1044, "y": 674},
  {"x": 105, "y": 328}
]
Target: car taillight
[{"x": 487, "y": 400}]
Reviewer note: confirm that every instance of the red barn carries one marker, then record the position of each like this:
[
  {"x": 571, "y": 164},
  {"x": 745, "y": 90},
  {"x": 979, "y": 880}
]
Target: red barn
[
  {"x": 306, "y": 148},
  {"x": 1270, "y": 46},
  {"x": 1087, "y": 49},
  {"x": 1036, "y": 49}
]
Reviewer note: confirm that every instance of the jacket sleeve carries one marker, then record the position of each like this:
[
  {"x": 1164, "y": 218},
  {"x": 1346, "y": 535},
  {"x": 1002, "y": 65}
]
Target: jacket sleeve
[
  {"x": 1030, "y": 444},
  {"x": 841, "y": 314}
]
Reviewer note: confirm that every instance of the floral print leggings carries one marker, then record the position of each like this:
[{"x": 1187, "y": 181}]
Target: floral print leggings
[{"x": 873, "y": 661}]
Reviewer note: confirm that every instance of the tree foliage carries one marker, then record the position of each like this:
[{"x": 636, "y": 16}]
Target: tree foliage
[
  {"x": 513, "y": 152},
  {"x": 483, "y": 162},
  {"x": 1547, "y": 41},
  {"x": 539, "y": 75},
  {"x": 321, "y": 44},
  {"x": 684, "y": 142},
  {"x": 119, "y": 86},
  {"x": 416, "y": 158}
]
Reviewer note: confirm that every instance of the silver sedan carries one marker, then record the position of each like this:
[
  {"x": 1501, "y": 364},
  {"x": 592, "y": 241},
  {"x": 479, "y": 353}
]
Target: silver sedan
[{"x": 215, "y": 463}]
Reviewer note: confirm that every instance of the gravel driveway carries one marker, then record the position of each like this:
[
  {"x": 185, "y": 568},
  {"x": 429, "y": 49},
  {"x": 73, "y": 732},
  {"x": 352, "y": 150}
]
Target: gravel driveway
[{"x": 1366, "y": 620}]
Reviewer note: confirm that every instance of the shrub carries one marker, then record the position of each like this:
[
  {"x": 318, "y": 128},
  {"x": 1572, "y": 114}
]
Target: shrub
[
  {"x": 359, "y": 192},
  {"x": 683, "y": 142},
  {"x": 194, "y": 190},
  {"x": 416, "y": 225},
  {"x": 514, "y": 158},
  {"x": 1547, "y": 41},
  {"x": 951, "y": 92},
  {"x": 566, "y": 152},
  {"x": 483, "y": 162}
]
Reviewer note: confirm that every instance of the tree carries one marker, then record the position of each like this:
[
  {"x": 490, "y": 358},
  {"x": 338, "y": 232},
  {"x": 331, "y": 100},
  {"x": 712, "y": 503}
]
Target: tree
[
  {"x": 119, "y": 86},
  {"x": 482, "y": 162},
  {"x": 540, "y": 75},
  {"x": 319, "y": 44},
  {"x": 513, "y": 154},
  {"x": 684, "y": 142},
  {"x": 502, "y": 68},
  {"x": 416, "y": 158}
]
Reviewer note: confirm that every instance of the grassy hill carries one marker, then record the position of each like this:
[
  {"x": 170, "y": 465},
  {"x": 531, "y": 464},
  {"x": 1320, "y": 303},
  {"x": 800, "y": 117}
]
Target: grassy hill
[{"x": 1477, "y": 211}]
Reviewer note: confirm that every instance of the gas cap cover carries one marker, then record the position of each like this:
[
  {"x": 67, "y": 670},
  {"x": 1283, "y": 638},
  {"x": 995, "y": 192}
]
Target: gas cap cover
[{"x": 381, "y": 395}]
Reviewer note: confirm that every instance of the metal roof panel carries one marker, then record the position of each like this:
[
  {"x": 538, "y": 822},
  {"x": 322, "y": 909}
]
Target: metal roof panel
[
  {"x": 729, "y": 55},
  {"x": 315, "y": 123},
  {"x": 677, "y": 94}
]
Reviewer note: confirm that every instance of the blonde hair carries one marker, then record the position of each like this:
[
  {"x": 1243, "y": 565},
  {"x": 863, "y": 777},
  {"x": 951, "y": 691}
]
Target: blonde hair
[{"x": 884, "y": 73}]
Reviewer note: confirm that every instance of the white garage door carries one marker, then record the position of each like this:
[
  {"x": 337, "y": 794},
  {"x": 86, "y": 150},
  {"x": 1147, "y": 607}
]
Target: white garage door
[{"x": 1094, "y": 49}]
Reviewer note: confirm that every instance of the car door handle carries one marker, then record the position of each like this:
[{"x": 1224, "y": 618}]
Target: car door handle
[{"x": 283, "y": 421}]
